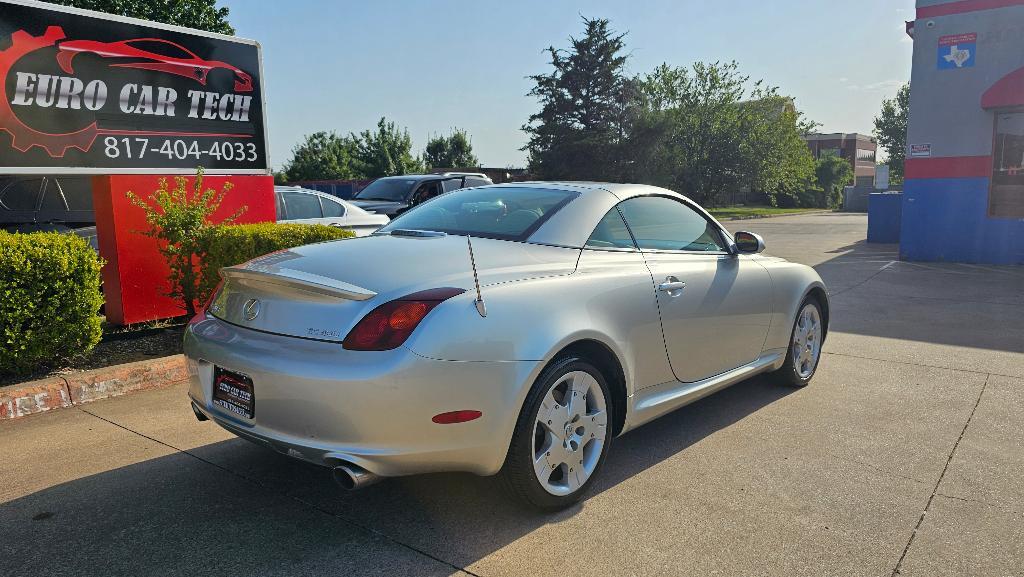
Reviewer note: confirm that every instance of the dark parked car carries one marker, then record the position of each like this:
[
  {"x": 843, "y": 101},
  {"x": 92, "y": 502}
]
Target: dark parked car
[
  {"x": 48, "y": 204},
  {"x": 65, "y": 200},
  {"x": 393, "y": 195}
]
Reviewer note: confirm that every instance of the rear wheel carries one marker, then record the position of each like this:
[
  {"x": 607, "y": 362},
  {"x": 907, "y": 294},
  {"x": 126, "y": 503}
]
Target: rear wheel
[
  {"x": 804, "y": 346},
  {"x": 561, "y": 438}
]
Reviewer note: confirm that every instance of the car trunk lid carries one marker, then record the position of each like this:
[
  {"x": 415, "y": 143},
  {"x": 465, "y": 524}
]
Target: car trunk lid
[{"x": 320, "y": 291}]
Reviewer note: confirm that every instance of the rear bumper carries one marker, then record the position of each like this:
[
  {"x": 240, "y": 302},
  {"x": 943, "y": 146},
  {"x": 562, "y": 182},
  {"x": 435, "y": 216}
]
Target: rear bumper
[{"x": 323, "y": 404}]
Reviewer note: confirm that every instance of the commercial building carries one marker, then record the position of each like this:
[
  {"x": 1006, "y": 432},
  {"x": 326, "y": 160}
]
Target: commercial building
[
  {"x": 857, "y": 149},
  {"x": 964, "y": 179}
]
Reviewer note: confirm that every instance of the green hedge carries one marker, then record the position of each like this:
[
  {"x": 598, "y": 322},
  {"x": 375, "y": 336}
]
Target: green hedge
[
  {"x": 49, "y": 299},
  {"x": 235, "y": 244}
]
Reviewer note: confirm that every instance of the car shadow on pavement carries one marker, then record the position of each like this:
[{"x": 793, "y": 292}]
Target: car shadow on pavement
[
  {"x": 235, "y": 508},
  {"x": 875, "y": 294}
]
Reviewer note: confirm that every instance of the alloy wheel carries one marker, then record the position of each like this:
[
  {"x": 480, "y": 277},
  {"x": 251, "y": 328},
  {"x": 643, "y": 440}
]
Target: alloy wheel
[
  {"x": 569, "y": 433},
  {"x": 806, "y": 345}
]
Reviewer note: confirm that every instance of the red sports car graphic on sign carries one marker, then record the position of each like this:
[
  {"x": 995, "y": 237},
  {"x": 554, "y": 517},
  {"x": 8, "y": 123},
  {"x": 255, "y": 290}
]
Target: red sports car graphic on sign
[{"x": 151, "y": 54}]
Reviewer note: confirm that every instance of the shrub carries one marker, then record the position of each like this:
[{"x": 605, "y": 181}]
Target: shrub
[
  {"x": 49, "y": 299},
  {"x": 230, "y": 245},
  {"x": 180, "y": 218}
]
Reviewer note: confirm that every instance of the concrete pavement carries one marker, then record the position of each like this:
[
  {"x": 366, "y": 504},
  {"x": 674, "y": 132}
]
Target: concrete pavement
[{"x": 902, "y": 456}]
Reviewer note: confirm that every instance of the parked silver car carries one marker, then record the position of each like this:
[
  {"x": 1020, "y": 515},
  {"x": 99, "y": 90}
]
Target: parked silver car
[
  {"x": 512, "y": 328},
  {"x": 296, "y": 205}
]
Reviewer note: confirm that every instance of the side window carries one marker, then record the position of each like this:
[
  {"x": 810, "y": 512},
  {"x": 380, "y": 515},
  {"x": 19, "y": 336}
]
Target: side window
[
  {"x": 661, "y": 223},
  {"x": 300, "y": 205},
  {"x": 20, "y": 194},
  {"x": 53, "y": 197},
  {"x": 332, "y": 208},
  {"x": 611, "y": 232},
  {"x": 474, "y": 181},
  {"x": 77, "y": 191},
  {"x": 426, "y": 192},
  {"x": 452, "y": 184},
  {"x": 282, "y": 214}
]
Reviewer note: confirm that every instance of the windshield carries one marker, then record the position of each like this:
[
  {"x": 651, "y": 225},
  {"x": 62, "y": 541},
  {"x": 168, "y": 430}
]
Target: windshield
[
  {"x": 494, "y": 212},
  {"x": 392, "y": 189}
]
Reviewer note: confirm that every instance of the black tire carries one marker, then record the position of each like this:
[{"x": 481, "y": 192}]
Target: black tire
[
  {"x": 517, "y": 473},
  {"x": 788, "y": 375}
]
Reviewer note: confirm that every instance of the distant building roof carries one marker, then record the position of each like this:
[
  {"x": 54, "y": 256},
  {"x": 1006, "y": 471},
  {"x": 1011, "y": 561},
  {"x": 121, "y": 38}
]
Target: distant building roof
[
  {"x": 839, "y": 136},
  {"x": 776, "y": 105}
]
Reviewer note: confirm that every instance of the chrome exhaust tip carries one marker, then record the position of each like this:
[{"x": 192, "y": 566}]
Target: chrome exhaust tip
[
  {"x": 351, "y": 477},
  {"x": 199, "y": 414}
]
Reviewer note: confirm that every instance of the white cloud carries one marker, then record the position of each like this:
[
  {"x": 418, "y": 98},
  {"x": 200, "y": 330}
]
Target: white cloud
[{"x": 890, "y": 85}]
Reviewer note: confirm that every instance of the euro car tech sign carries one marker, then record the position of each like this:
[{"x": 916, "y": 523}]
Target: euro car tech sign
[{"x": 93, "y": 93}]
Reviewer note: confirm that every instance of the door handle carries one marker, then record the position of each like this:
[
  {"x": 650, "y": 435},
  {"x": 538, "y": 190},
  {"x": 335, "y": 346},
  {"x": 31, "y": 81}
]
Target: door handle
[{"x": 673, "y": 286}]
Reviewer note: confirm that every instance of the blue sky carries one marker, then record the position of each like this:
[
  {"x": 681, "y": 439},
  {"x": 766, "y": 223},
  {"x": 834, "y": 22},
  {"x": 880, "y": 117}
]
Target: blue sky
[{"x": 341, "y": 65}]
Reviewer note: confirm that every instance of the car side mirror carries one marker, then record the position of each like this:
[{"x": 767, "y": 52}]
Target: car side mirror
[{"x": 748, "y": 242}]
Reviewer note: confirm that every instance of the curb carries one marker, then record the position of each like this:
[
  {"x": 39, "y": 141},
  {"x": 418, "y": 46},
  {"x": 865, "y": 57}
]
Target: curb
[
  {"x": 759, "y": 216},
  {"x": 75, "y": 389}
]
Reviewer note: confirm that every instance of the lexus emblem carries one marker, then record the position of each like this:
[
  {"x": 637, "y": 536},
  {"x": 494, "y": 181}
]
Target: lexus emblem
[{"x": 251, "y": 309}]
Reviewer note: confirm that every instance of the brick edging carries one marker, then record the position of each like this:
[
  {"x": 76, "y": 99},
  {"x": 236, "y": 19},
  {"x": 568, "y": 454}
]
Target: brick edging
[{"x": 78, "y": 388}]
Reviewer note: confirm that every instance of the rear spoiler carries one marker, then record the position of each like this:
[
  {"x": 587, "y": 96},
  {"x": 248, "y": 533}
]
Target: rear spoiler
[{"x": 297, "y": 279}]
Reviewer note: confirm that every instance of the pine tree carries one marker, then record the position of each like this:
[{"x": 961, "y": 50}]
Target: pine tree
[{"x": 578, "y": 132}]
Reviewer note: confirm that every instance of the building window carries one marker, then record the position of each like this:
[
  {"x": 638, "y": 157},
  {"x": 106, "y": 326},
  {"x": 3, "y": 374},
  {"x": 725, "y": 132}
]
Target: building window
[
  {"x": 826, "y": 152},
  {"x": 865, "y": 155},
  {"x": 1006, "y": 198}
]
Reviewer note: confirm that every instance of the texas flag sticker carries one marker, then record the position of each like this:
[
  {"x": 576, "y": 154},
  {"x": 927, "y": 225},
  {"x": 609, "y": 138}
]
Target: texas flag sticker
[{"x": 957, "y": 51}]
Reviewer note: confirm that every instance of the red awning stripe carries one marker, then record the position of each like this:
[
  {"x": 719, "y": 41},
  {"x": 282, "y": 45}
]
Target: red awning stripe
[
  {"x": 964, "y": 6},
  {"x": 948, "y": 167},
  {"x": 1007, "y": 92}
]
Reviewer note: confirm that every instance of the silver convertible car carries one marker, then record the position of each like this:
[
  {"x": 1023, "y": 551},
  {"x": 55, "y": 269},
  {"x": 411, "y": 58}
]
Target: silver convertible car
[{"x": 513, "y": 329}]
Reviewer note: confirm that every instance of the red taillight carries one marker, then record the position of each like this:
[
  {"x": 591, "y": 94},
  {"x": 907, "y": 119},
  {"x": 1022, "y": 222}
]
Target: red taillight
[
  {"x": 452, "y": 417},
  {"x": 390, "y": 324},
  {"x": 213, "y": 297}
]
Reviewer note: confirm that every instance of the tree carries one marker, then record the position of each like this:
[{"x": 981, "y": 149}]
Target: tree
[
  {"x": 180, "y": 218},
  {"x": 703, "y": 132},
  {"x": 323, "y": 156},
  {"x": 777, "y": 160},
  {"x": 199, "y": 14},
  {"x": 891, "y": 131},
  {"x": 833, "y": 173},
  {"x": 386, "y": 152},
  {"x": 452, "y": 151},
  {"x": 579, "y": 130}
]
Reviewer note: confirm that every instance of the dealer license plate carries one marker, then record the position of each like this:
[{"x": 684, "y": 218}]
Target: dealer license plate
[{"x": 233, "y": 392}]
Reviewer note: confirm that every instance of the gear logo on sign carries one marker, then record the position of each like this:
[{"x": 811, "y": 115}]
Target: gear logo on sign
[{"x": 23, "y": 137}]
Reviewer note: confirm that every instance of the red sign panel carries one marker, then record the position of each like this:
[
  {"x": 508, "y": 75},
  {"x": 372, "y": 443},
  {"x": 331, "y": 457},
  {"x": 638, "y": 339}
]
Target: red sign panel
[{"x": 135, "y": 275}]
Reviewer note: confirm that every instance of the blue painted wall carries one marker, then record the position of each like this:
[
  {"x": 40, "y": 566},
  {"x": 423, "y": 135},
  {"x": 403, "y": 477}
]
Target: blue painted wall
[
  {"x": 884, "y": 216},
  {"x": 946, "y": 219}
]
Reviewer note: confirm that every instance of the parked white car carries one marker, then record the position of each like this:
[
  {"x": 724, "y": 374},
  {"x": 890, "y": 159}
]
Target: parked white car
[{"x": 304, "y": 206}]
